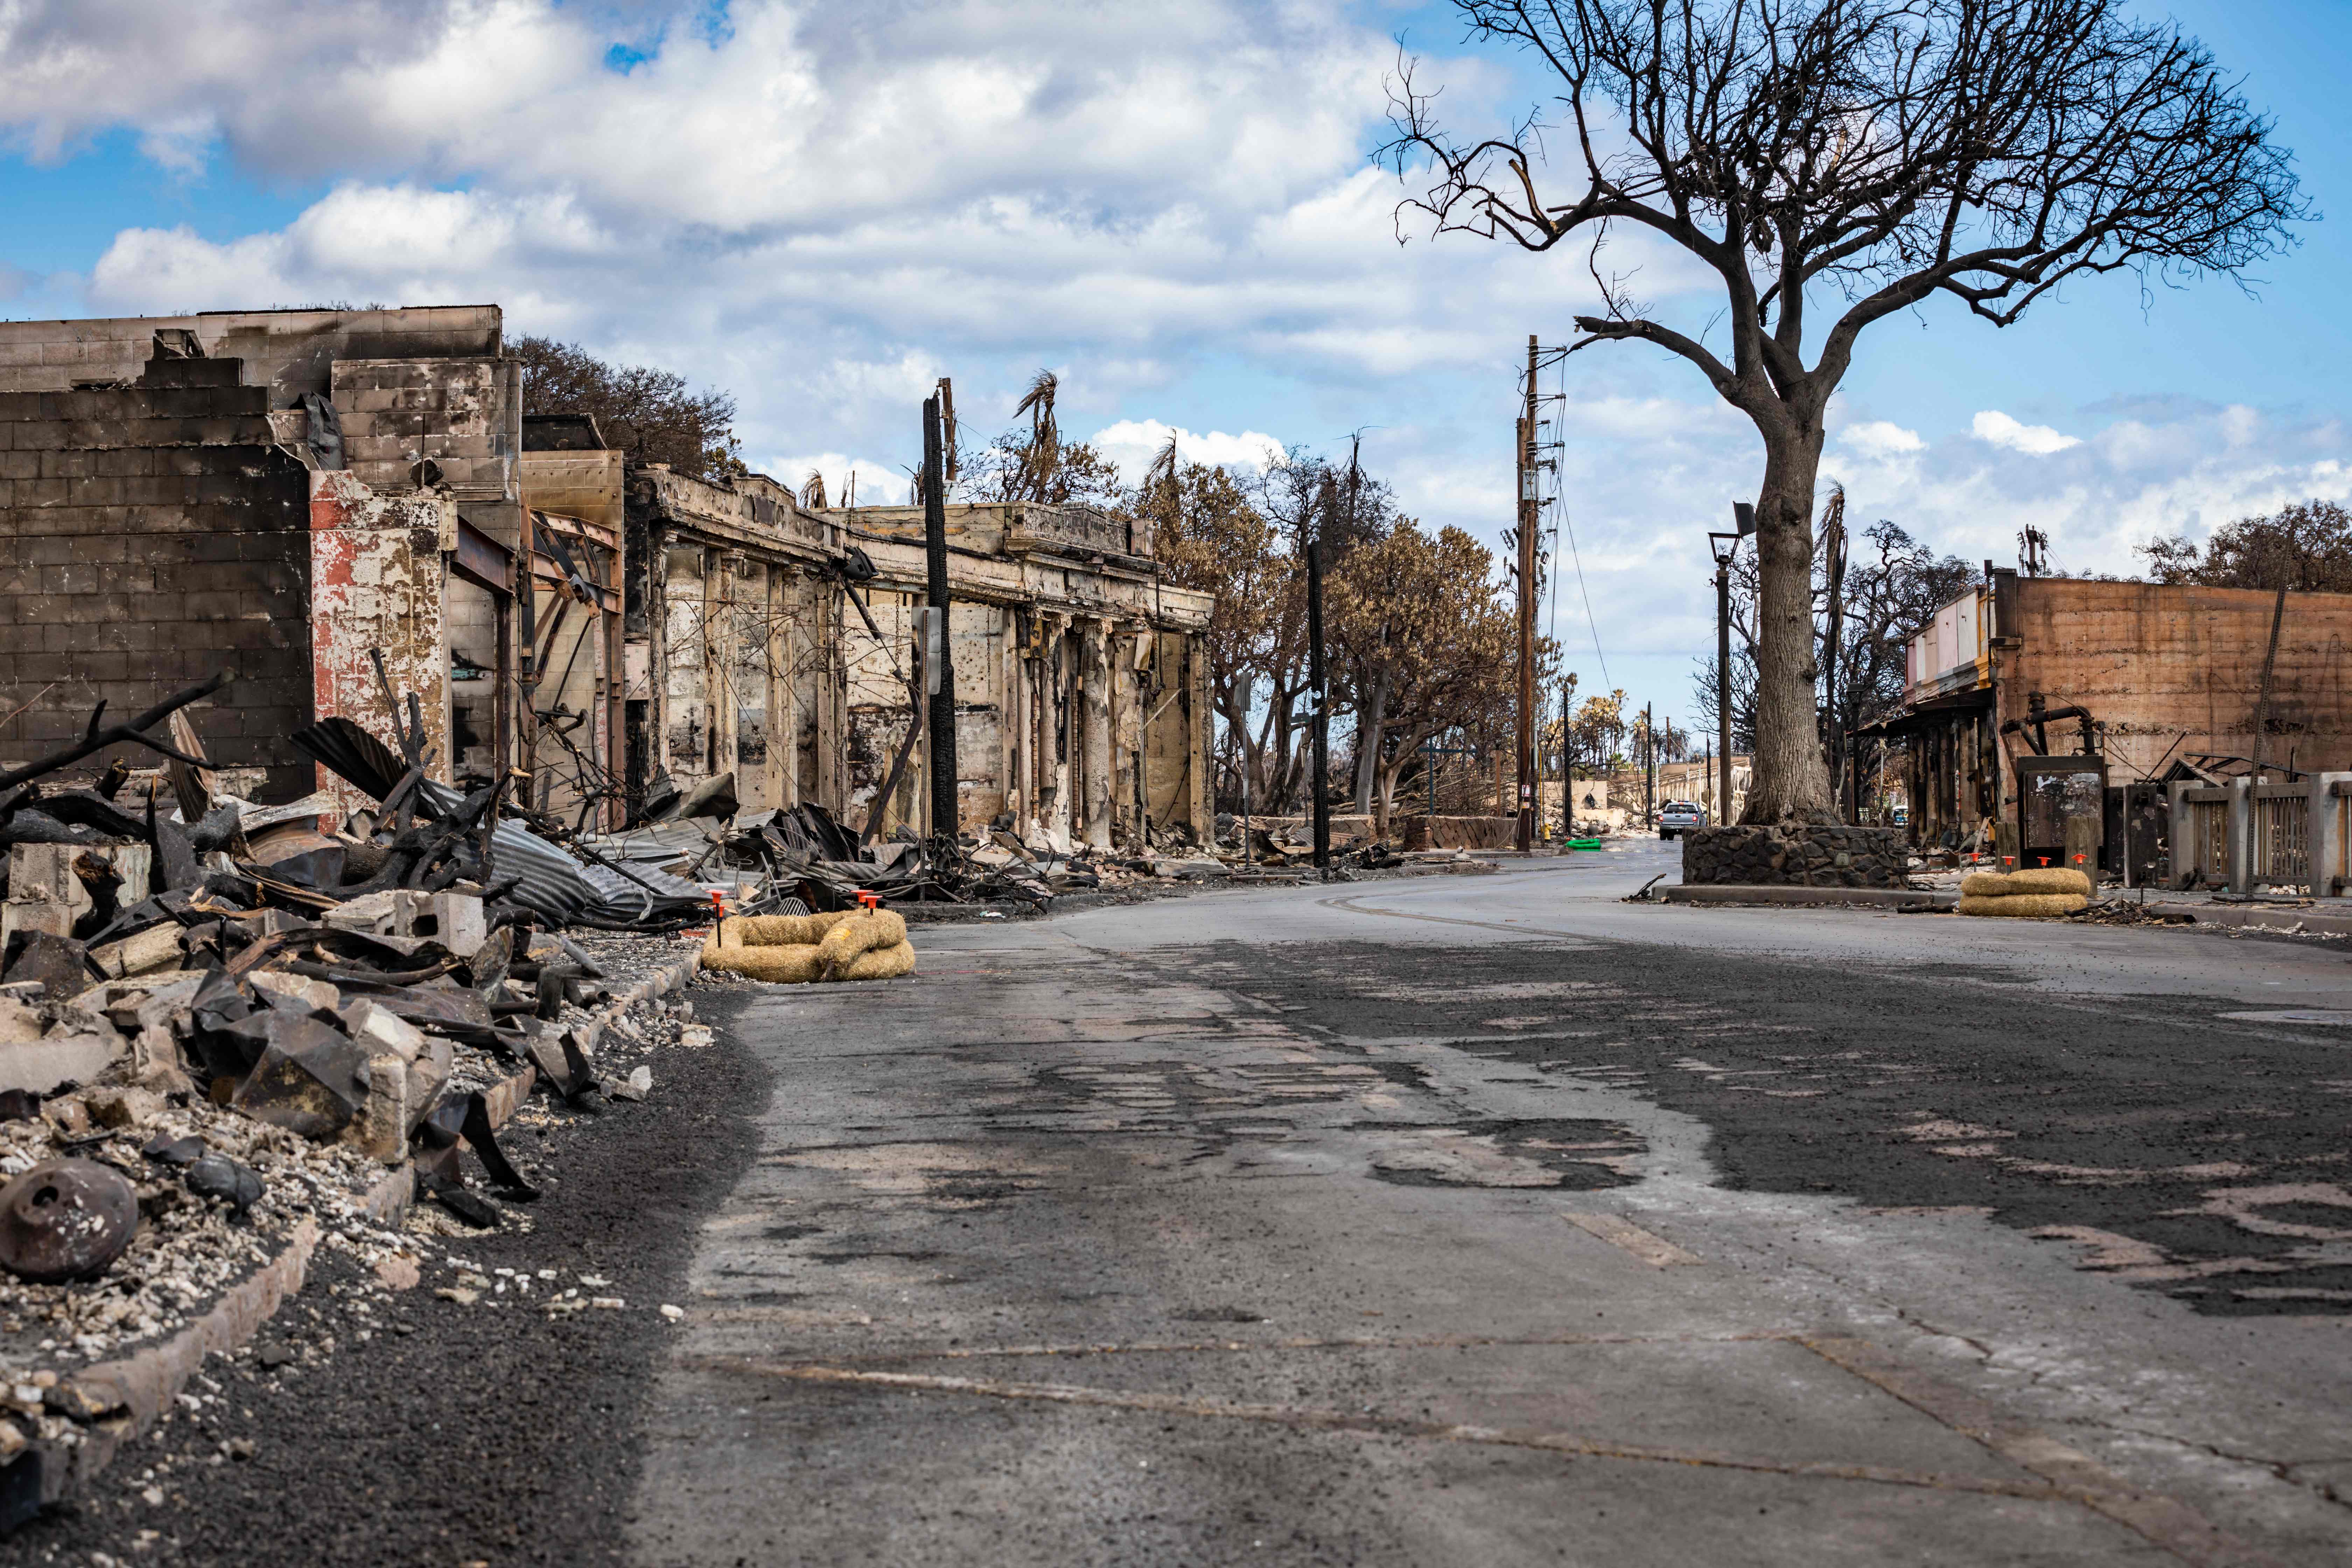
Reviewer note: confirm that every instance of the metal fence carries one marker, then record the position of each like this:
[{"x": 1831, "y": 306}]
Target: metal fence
[
  {"x": 2248, "y": 835},
  {"x": 2280, "y": 845}
]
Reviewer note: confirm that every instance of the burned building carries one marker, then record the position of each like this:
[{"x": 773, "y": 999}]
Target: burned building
[
  {"x": 341, "y": 505},
  {"x": 162, "y": 503},
  {"x": 2159, "y": 681},
  {"x": 779, "y": 645}
]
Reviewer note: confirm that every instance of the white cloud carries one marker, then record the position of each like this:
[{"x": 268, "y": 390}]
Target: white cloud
[
  {"x": 2034, "y": 440},
  {"x": 1132, "y": 444},
  {"x": 876, "y": 484},
  {"x": 1883, "y": 438}
]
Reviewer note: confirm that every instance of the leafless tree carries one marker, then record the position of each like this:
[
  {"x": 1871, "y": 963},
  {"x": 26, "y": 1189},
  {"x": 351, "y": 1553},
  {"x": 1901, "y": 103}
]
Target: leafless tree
[{"x": 1865, "y": 156}]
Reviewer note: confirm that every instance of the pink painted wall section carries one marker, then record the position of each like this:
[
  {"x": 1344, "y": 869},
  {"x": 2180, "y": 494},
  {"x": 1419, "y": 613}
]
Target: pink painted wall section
[{"x": 378, "y": 580}]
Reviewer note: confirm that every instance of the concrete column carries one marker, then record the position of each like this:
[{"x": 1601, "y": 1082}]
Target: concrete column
[
  {"x": 1059, "y": 737},
  {"x": 1013, "y": 723},
  {"x": 656, "y": 649},
  {"x": 1201, "y": 805},
  {"x": 720, "y": 664},
  {"x": 2326, "y": 835},
  {"x": 1096, "y": 678},
  {"x": 2241, "y": 835}
]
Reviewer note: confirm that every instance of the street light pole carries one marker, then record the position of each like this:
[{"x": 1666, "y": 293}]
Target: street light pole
[{"x": 1725, "y": 546}]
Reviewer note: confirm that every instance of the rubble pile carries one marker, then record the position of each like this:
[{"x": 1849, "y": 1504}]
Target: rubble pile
[
  {"x": 801, "y": 860},
  {"x": 221, "y": 1022}
]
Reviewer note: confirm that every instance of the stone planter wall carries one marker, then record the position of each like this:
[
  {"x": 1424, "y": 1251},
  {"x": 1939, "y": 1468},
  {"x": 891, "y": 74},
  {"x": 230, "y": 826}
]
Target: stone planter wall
[{"x": 1796, "y": 855}]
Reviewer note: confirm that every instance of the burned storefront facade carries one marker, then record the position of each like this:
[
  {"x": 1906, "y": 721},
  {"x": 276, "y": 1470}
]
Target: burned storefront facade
[
  {"x": 2030, "y": 701},
  {"x": 779, "y": 645},
  {"x": 341, "y": 505}
]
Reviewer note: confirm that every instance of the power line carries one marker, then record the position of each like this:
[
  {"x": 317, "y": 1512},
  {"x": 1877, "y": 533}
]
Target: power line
[{"x": 1559, "y": 500}]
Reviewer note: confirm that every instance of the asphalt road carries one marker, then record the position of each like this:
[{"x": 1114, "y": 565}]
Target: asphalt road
[{"x": 1491, "y": 1219}]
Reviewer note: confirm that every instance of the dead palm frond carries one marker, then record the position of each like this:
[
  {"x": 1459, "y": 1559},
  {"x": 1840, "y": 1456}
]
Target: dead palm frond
[
  {"x": 1162, "y": 471},
  {"x": 813, "y": 492},
  {"x": 1043, "y": 458}
]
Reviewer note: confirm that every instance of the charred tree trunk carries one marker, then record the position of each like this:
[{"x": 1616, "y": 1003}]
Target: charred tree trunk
[{"x": 1788, "y": 779}]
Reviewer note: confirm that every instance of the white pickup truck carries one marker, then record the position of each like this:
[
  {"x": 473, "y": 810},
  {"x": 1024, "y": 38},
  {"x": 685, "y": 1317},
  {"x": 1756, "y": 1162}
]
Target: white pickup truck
[{"x": 1678, "y": 816}]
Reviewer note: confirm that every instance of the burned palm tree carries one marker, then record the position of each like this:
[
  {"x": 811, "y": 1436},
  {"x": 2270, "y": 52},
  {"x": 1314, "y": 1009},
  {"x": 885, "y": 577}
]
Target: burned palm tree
[{"x": 1041, "y": 458}]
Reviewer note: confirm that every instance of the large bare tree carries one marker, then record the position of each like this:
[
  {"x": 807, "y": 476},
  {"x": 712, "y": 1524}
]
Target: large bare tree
[{"x": 1857, "y": 158}]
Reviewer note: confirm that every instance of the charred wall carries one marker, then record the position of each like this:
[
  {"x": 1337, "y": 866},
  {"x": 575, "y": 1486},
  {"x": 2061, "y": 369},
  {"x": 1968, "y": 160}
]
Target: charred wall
[
  {"x": 2177, "y": 668},
  {"x": 151, "y": 532}
]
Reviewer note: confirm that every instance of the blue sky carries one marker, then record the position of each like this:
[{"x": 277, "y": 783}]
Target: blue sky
[{"x": 821, "y": 208}]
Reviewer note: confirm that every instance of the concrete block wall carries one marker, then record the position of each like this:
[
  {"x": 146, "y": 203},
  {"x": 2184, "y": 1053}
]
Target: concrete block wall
[
  {"x": 287, "y": 352},
  {"x": 150, "y": 534},
  {"x": 399, "y": 413}
]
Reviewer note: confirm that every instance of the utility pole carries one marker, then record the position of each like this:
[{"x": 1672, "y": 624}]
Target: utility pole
[
  {"x": 1318, "y": 695},
  {"x": 1567, "y": 769},
  {"x": 941, "y": 665},
  {"x": 1524, "y": 836}
]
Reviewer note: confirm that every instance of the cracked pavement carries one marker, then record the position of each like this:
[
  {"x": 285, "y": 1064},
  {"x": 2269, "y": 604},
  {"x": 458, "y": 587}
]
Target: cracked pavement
[{"x": 1492, "y": 1219}]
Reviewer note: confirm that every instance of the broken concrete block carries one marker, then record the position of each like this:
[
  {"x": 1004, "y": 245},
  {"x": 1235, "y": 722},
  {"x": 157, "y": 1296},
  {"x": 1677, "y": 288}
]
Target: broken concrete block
[
  {"x": 156, "y": 1061},
  {"x": 56, "y": 962},
  {"x": 122, "y": 1107},
  {"x": 382, "y": 1130},
  {"x": 43, "y": 1064},
  {"x": 43, "y": 874},
  {"x": 425, "y": 1059},
  {"x": 44, "y": 918},
  {"x": 377, "y": 1027},
  {"x": 428, "y": 1074},
  {"x": 457, "y": 923},
  {"x": 144, "y": 952},
  {"x": 453, "y": 919},
  {"x": 167, "y": 1001},
  {"x": 308, "y": 1080},
  {"x": 19, "y": 1024},
  {"x": 299, "y": 992},
  {"x": 372, "y": 912}
]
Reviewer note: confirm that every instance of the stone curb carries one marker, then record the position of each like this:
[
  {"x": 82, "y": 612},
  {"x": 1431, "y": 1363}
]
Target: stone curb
[
  {"x": 1814, "y": 898},
  {"x": 2253, "y": 918},
  {"x": 146, "y": 1380}
]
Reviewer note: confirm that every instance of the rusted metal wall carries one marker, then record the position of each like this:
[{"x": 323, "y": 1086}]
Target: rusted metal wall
[{"x": 2178, "y": 668}]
